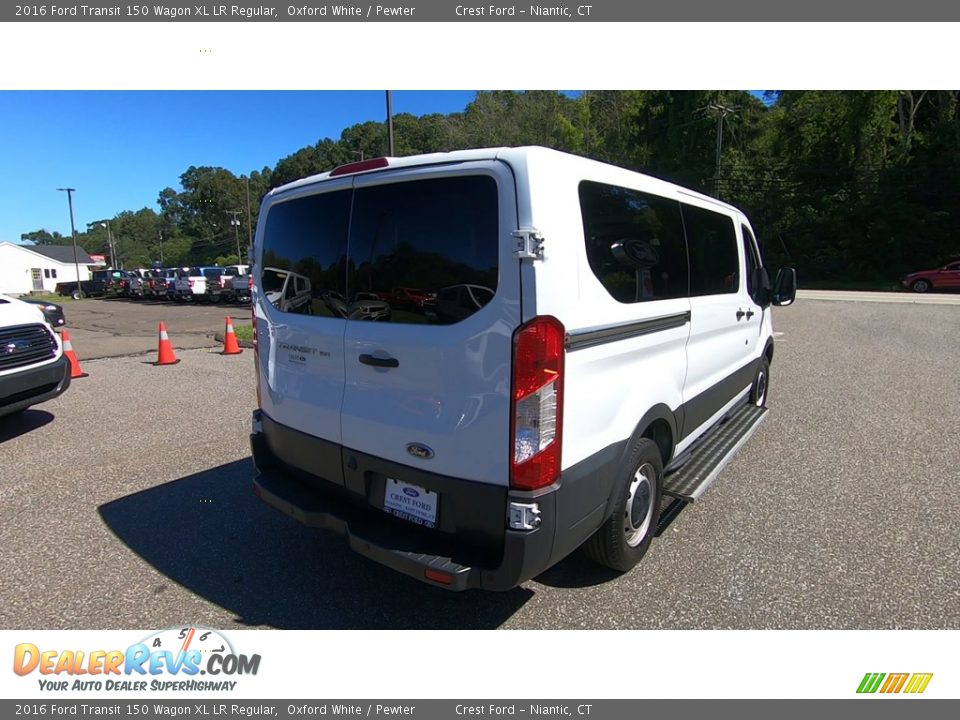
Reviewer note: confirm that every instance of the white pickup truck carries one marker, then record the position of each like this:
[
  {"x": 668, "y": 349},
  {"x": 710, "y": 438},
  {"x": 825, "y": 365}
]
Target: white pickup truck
[
  {"x": 33, "y": 367},
  {"x": 192, "y": 285},
  {"x": 232, "y": 286}
]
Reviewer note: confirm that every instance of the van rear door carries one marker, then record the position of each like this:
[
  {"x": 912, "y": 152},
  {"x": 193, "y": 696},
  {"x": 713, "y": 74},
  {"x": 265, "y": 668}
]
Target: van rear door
[
  {"x": 301, "y": 267},
  {"x": 428, "y": 370}
]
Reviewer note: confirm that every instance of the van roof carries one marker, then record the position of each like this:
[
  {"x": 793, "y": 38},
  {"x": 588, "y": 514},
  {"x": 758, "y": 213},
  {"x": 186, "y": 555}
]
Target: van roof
[{"x": 513, "y": 155}]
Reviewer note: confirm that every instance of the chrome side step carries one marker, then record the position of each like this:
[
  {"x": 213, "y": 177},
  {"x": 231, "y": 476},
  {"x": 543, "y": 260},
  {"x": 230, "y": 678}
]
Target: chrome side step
[
  {"x": 703, "y": 463},
  {"x": 692, "y": 479}
]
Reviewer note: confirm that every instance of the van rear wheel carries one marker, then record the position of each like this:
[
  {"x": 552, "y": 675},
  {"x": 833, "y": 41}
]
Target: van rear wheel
[{"x": 625, "y": 536}]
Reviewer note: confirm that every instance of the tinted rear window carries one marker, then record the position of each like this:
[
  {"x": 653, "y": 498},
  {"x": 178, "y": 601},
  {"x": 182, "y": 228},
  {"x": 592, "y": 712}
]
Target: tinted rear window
[
  {"x": 306, "y": 237},
  {"x": 411, "y": 240},
  {"x": 407, "y": 242}
]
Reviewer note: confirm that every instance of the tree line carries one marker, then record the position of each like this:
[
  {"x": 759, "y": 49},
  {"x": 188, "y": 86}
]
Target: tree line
[{"x": 851, "y": 186}]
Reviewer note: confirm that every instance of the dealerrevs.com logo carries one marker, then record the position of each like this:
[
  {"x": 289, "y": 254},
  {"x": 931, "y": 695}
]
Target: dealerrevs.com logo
[
  {"x": 167, "y": 660},
  {"x": 910, "y": 683}
]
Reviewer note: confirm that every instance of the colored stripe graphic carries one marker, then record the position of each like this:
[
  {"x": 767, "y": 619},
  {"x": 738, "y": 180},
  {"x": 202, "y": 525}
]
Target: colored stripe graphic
[
  {"x": 894, "y": 683},
  {"x": 918, "y": 683},
  {"x": 870, "y": 682}
]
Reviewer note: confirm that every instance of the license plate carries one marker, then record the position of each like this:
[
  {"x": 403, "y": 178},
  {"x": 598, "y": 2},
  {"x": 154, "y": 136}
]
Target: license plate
[{"x": 411, "y": 502}]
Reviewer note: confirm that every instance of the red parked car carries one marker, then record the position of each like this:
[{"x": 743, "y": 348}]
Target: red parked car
[
  {"x": 405, "y": 298},
  {"x": 944, "y": 278}
]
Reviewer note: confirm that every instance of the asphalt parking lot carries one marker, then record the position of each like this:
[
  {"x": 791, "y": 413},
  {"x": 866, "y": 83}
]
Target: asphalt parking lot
[
  {"x": 112, "y": 327},
  {"x": 128, "y": 503}
]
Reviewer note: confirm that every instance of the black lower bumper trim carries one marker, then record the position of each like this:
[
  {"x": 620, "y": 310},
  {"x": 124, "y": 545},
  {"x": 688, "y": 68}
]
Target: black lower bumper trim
[
  {"x": 36, "y": 385},
  {"x": 408, "y": 550}
]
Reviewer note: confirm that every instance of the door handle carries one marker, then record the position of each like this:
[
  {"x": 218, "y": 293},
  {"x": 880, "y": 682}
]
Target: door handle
[
  {"x": 740, "y": 314},
  {"x": 379, "y": 362},
  {"x": 749, "y": 314}
]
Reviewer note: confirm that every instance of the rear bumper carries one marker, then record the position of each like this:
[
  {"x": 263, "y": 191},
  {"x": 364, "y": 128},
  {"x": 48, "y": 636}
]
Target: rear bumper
[
  {"x": 472, "y": 546},
  {"x": 34, "y": 385}
]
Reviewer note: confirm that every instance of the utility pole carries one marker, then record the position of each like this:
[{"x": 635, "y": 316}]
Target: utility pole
[
  {"x": 390, "y": 123},
  {"x": 249, "y": 216},
  {"x": 235, "y": 221},
  {"x": 160, "y": 236},
  {"x": 73, "y": 235},
  {"x": 721, "y": 111}
]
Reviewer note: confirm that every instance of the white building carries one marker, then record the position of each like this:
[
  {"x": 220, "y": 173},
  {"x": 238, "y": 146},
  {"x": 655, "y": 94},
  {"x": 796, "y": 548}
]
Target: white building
[{"x": 24, "y": 268}]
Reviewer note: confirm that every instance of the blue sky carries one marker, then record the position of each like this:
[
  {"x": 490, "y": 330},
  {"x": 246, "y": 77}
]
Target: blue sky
[{"x": 119, "y": 149}]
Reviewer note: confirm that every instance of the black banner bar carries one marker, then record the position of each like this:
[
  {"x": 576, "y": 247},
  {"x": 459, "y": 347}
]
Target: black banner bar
[
  {"x": 872, "y": 708},
  {"x": 452, "y": 11}
]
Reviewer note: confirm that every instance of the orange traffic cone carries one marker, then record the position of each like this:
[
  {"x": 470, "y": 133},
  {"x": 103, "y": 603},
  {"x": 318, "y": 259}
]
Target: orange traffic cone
[
  {"x": 75, "y": 370},
  {"x": 230, "y": 345},
  {"x": 165, "y": 354}
]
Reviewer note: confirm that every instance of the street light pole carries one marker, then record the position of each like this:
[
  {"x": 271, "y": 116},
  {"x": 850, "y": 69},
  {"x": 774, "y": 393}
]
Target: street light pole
[
  {"x": 113, "y": 261},
  {"x": 235, "y": 221},
  {"x": 73, "y": 236}
]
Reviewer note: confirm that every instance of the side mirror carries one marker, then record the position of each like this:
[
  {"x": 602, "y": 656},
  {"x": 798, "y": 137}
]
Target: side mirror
[{"x": 785, "y": 287}]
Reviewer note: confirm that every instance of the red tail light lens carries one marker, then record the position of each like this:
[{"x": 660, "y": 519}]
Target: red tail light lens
[
  {"x": 362, "y": 166},
  {"x": 537, "y": 403}
]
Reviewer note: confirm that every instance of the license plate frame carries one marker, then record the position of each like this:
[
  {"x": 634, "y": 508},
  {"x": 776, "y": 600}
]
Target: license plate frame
[{"x": 410, "y": 502}]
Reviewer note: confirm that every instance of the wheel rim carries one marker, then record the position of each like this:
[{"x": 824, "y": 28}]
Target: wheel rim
[
  {"x": 920, "y": 286},
  {"x": 638, "y": 512},
  {"x": 761, "y": 389}
]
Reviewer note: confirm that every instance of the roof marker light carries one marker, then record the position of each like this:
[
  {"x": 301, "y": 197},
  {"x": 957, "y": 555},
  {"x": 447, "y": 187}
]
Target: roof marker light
[{"x": 362, "y": 166}]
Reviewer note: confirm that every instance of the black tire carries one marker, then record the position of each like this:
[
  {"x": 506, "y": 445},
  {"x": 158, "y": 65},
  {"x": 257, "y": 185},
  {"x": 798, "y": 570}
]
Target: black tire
[
  {"x": 761, "y": 384},
  {"x": 921, "y": 286},
  {"x": 624, "y": 537}
]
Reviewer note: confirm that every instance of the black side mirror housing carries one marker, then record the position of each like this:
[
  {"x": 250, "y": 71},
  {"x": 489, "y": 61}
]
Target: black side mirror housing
[{"x": 785, "y": 287}]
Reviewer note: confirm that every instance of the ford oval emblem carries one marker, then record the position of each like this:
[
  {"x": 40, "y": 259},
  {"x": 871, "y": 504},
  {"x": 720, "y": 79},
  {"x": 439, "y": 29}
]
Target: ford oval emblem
[
  {"x": 410, "y": 492},
  {"x": 420, "y": 451}
]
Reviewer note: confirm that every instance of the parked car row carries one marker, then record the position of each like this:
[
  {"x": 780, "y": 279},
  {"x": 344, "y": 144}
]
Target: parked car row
[{"x": 208, "y": 283}]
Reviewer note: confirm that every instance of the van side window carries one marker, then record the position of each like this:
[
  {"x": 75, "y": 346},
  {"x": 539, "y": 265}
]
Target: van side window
[
  {"x": 752, "y": 258},
  {"x": 714, "y": 260},
  {"x": 634, "y": 243},
  {"x": 305, "y": 240},
  {"x": 414, "y": 245}
]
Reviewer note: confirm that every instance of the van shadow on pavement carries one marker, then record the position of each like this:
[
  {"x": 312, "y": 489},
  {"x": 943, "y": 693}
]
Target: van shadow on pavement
[
  {"x": 21, "y": 423},
  {"x": 210, "y": 534}
]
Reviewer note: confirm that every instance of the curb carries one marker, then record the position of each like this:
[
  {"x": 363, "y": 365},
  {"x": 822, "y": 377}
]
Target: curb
[{"x": 242, "y": 343}]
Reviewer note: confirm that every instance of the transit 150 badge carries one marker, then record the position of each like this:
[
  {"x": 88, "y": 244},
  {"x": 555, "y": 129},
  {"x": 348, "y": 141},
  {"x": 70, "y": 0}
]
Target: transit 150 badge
[{"x": 168, "y": 660}]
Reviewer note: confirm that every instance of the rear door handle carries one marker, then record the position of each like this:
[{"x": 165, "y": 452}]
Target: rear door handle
[
  {"x": 740, "y": 314},
  {"x": 749, "y": 314},
  {"x": 379, "y": 362}
]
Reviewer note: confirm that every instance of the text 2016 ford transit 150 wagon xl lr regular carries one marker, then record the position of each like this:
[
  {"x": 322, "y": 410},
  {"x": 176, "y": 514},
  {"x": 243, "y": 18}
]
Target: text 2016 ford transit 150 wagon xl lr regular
[{"x": 591, "y": 343}]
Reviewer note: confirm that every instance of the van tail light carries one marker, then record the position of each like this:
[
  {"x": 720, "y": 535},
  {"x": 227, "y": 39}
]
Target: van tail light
[
  {"x": 249, "y": 282},
  {"x": 537, "y": 403}
]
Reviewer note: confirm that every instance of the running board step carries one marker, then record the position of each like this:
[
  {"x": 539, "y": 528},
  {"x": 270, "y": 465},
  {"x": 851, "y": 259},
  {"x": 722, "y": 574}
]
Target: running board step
[{"x": 690, "y": 481}]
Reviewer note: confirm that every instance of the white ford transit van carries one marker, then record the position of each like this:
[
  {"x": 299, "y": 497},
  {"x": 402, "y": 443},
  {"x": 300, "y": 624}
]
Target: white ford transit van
[{"x": 596, "y": 346}]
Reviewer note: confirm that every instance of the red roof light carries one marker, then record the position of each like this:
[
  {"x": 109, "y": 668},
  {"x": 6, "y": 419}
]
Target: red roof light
[{"x": 362, "y": 166}]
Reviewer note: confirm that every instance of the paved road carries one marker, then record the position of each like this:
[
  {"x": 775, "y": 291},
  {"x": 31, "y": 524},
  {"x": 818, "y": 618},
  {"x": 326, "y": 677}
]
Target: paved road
[
  {"x": 885, "y": 297},
  {"x": 842, "y": 511}
]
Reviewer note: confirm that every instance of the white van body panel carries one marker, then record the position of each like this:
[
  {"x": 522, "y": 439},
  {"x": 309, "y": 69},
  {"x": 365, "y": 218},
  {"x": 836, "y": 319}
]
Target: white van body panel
[
  {"x": 451, "y": 389},
  {"x": 603, "y": 401},
  {"x": 302, "y": 379}
]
